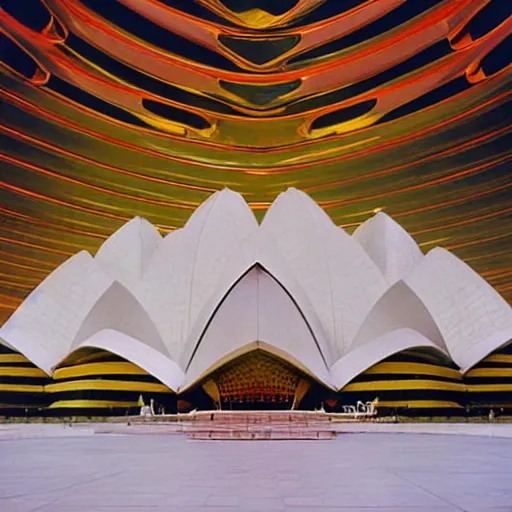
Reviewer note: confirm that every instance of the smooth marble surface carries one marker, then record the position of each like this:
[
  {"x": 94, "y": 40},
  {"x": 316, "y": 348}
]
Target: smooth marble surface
[{"x": 355, "y": 472}]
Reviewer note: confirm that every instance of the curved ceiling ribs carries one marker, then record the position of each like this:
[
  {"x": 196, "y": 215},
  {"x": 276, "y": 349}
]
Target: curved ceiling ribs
[
  {"x": 144, "y": 108},
  {"x": 258, "y": 96}
]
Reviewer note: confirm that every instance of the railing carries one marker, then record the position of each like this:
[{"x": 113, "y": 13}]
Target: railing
[{"x": 361, "y": 409}]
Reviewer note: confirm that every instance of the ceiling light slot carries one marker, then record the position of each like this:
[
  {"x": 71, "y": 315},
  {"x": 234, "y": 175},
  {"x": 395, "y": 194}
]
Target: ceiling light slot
[
  {"x": 499, "y": 58},
  {"x": 31, "y": 13},
  {"x": 176, "y": 115},
  {"x": 343, "y": 115},
  {"x": 92, "y": 102},
  {"x": 389, "y": 21},
  {"x": 433, "y": 97}
]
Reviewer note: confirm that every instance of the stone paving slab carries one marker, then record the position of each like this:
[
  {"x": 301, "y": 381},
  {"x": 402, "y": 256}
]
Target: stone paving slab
[
  {"x": 35, "y": 430},
  {"x": 357, "y": 472},
  {"x": 470, "y": 429}
]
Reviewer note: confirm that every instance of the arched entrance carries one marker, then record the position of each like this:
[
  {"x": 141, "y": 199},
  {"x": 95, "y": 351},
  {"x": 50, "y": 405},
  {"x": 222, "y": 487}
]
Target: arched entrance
[{"x": 257, "y": 380}]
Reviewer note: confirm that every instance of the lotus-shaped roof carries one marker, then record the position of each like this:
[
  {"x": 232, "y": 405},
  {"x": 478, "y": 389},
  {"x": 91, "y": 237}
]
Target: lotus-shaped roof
[{"x": 296, "y": 286}]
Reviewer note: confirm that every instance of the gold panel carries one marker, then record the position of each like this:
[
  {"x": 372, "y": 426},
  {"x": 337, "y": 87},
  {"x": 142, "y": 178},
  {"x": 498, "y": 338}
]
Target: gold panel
[
  {"x": 490, "y": 372},
  {"x": 392, "y": 385},
  {"x": 498, "y": 358},
  {"x": 20, "y": 371},
  {"x": 414, "y": 369},
  {"x": 485, "y": 388},
  {"x": 107, "y": 385},
  {"x": 90, "y": 404},
  {"x": 420, "y": 404},
  {"x": 21, "y": 388},
  {"x": 257, "y": 377},
  {"x": 106, "y": 368},
  {"x": 13, "y": 358}
]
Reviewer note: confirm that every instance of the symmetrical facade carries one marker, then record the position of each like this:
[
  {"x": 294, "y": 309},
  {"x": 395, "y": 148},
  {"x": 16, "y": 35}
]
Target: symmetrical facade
[{"x": 294, "y": 312}]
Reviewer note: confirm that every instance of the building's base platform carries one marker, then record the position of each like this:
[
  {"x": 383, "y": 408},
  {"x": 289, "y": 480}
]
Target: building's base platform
[{"x": 258, "y": 425}]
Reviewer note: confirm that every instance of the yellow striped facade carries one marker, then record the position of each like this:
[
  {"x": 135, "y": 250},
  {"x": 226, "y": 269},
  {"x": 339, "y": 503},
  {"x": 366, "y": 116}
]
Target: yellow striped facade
[
  {"x": 92, "y": 369},
  {"x": 104, "y": 382},
  {"x": 409, "y": 382},
  {"x": 12, "y": 358},
  {"x": 499, "y": 358},
  {"x": 421, "y": 404},
  {"x": 490, "y": 383},
  {"x": 416, "y": 384},
  {"x": 91, "y": 404},
  {"x": 17, "y": 371},
  {"x": 21, "y": 384},
  {"x": 414, "y": 369},
  {"x": 490, "y": 372},
  {"x": 485, "y": 388},
  {"x": 21, "y": 388},
  {"x": 106, "y": 385}
]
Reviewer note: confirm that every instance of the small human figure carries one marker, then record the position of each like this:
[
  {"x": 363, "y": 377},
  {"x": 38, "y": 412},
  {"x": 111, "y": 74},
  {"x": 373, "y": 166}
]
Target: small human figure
[
  {"x": 146, "y": 410},
  {"x": 492, "y": 415}
]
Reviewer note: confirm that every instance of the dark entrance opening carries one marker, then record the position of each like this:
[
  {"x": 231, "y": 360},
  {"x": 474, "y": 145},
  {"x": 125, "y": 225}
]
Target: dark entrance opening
[{"x": 258, "y": 380}]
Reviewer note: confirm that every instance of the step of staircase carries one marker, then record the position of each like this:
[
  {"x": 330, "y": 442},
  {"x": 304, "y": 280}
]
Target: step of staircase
[
  {"x": 263, "y": 434},
  {"x": 257, "y": 425}
]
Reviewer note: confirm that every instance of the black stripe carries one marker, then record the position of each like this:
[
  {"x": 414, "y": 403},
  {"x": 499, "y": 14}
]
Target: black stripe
[{"x": 370, "y": 377}]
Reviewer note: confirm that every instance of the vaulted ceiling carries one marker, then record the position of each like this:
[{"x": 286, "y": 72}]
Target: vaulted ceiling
[{"x": 113, "y": 109}]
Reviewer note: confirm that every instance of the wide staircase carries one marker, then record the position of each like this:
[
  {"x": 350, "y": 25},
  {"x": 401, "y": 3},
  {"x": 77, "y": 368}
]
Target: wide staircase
[{"x": 254, "y": 425}]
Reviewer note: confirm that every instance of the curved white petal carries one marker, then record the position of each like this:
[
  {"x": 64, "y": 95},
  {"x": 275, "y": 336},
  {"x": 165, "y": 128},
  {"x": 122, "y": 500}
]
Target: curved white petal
[
  {"x": 257, "y": 309},
  {"x": 472, "y": 317},
  {"x": 165, "y": 288},
  {"x": 185, "y": 269},
  {"x": 45, "y": 324},
  {"x": 220, "y": 225},
  {"x": 399, "y": 308},
  {"x": 118, "y": 310},
  {"x": 258, "y": 249},
  {"x": 363, "y": 357},
  {"x": 310, "y": 293},
  {"x": 126, "y": 253},
  {"x": 137, "y": 352},
  {"x": 392, "y": 249},
  {"x": 340, "y": 279}
]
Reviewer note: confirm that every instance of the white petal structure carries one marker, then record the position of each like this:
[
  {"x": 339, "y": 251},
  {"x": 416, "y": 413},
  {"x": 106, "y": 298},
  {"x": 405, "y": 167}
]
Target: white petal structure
[
  {"x": 296, "y": 293},
  {"x": 219, "y": 226},
  {"x": 47, "y": 321},
  {"x": 378, "y": 349},
  {"x": 390, "y": 247},
  {"x": 399, "y": 308},
  {"x": 398, "y": 321},
  {"x": 117, "y": 309},
  {"x": 326, "y": 262},
  {"x": 184, "y": 270},
  {"x": 165, "y": 288},
  {"x": 125, "y": 255},
  {"x": 260, "y": 250},
  {"x": 473, "y": 318},
  {"x": 257, "y": 312}
]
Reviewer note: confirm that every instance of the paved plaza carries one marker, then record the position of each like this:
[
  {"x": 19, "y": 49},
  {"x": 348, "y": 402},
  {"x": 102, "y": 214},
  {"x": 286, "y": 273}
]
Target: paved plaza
[{"x": 355, "y": 472}]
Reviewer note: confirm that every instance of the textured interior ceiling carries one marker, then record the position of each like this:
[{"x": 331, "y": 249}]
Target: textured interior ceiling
[{"x": 113, "y": 109}]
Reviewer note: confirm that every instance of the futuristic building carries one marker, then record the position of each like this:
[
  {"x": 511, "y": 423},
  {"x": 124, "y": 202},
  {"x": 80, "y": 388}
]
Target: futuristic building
[
  {"x": 290, "y": 313},
  {"x": 113, "y": 109}
]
